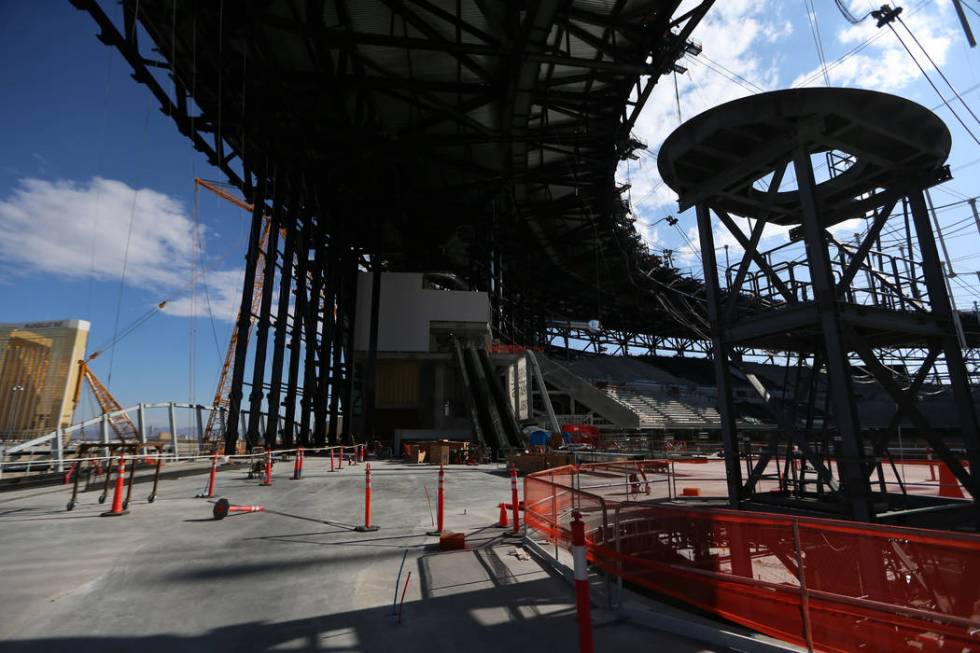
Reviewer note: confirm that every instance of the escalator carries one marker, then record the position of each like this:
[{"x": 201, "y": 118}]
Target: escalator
[{"x": 490, "y": 412}]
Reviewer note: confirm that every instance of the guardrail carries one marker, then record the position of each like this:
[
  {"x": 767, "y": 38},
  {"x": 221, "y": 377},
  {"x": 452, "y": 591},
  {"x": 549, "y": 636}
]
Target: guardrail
[
  {"x": 62, "y": 439},
  {"x": 825, "y": 584}
]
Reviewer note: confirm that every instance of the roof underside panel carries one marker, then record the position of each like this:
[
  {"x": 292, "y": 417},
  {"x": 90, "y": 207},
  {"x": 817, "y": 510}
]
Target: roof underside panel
[{"x": 488, "y": 117}]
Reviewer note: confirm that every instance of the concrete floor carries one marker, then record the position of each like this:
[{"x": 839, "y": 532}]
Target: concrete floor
[{"x": 167, "y": 577}]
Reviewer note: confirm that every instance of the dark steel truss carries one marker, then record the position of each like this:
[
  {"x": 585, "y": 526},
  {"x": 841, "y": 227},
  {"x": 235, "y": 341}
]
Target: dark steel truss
[
  {"x": 837, "y": 303},
  {"x": 467, "y": 137}
]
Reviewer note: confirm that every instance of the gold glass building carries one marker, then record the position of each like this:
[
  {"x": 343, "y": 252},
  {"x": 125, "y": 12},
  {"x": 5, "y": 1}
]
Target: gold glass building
[{"x": 38, "y": 373}]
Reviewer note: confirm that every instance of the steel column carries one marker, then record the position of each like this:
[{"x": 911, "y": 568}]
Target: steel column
[
  {"x": 939, "y": 302},
  {"x": 850, "y": 456},
  {"x": 351, "y": 306},
  {"x": 244, "y": 319},
  {"x": 296, "y": 336},
  {"x": 257, "y": 393},
  {"x": 282, "y": 324},
  {"x": 726, "y": 410},
  {"x": 370, "y": 369}
]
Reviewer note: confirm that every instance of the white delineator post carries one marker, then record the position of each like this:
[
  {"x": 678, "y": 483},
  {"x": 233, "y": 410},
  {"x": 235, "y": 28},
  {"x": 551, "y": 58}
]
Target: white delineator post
[{"x": 582, "y": 603}]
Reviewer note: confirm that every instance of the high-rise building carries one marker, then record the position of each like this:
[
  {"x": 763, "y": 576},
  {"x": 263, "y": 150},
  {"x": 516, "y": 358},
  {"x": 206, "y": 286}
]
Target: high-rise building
[{"x": 38, "y": 374}]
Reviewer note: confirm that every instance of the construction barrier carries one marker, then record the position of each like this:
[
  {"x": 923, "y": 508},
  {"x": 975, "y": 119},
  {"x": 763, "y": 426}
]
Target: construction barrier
[{"x": 827, "y": 584}]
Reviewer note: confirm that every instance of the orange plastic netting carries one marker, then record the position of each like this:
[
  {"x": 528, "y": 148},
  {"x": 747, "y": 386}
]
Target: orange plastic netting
[{"x": 843, "y": 586}]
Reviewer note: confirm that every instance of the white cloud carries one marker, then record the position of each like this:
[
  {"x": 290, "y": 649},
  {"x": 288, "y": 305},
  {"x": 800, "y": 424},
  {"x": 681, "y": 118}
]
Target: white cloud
[
  {"x": 223, "y": 290},
  {"x": 883, "y": 64},
  {"x": 79, "y": 230},
  {"x": 730, "y": 33},
  {"x": 737, "y": 37}
]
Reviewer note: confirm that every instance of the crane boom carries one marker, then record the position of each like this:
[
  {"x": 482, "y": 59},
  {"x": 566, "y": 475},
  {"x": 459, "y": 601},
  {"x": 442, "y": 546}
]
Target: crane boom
[{"x": 120, "y": 423}]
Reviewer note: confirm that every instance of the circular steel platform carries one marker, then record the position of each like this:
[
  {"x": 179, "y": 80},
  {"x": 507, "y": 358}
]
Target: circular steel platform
[{"x": 726, "y": 155}]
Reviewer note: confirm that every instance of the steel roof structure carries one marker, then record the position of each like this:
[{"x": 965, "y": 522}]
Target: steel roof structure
[{"x": 478, "y": 136}]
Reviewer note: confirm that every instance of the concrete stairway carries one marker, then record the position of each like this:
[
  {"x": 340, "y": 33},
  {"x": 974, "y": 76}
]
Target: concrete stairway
[{"x": 583, "y": 392}]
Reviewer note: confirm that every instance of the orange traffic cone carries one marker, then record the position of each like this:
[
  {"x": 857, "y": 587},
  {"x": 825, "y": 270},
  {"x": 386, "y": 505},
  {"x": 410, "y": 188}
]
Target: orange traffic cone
[
  {"x": 117, "y": 495},
  {"x": 222, "y": 508}
]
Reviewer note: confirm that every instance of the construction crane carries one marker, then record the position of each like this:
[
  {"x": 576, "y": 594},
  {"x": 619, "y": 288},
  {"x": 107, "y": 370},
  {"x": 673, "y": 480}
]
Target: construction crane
[
  {"x": 120, "y": 423},
  {"x": 222, "y": 392}
]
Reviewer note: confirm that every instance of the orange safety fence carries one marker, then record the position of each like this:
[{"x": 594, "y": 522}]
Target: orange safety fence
[{"x": 829, "y": 584}]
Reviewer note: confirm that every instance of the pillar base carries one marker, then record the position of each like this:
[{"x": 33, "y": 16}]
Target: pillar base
[
  {"x": 114, "y": 514},
  {"x": 366, "y": 529}
]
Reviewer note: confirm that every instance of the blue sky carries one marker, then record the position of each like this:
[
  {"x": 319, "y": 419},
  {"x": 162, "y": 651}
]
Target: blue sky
[{"x": 85, "y": 152}]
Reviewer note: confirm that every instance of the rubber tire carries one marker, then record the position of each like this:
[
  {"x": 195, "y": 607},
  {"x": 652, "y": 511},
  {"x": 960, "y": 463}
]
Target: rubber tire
[
  {"x": 70, "y": 506},
  {"x": 101, "y": 499},
  {"x": 151, "y": 498}
]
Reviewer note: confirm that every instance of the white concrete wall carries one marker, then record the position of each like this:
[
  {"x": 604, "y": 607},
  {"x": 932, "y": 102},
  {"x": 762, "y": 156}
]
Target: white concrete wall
[{"x": 407, "y": 309}]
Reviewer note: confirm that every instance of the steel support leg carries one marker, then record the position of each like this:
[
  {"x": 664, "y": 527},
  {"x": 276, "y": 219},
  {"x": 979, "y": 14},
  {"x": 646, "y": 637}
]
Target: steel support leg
[
  {"x": 850, "y": 456},
  {"x": 729, "y": 434}
]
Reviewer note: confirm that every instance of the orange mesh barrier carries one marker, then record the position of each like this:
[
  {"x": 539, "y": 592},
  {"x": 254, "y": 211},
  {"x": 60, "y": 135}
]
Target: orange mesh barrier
[{"x": 842, "y": 586}]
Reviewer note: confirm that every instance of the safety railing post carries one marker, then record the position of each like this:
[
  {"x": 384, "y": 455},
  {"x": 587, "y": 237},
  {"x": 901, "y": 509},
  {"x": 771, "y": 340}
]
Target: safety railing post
[
  {"x": 619, "y": 558},
  {"x": 554, "y": 512},
  {"x": 141, "y": 419},
  {"x": 104, "y": 425},
  {"x": 515, "y": 506},
  {"x": 804, "y": 594},
  {"x": 583, "y": 604},
  {"x": 199, "y": 409},
  {"x": 173, "y": 429},
  {"x": 60, "y": 448}
]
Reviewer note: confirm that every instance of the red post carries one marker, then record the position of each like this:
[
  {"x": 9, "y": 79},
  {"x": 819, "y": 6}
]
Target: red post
[
  {"x": 222, "y": 508},
  {"x": 268, "y": 467},
  {"x": 211, "y": 477},
  {"x": 367, "y": 527},
  {"x": 440, "y": 502},
  {"x": 513, "y": 500},
  {"x": 340, "y": 458},
  {"x": 582, "y": 602},
  {"x": 331, "y": 460},
  {"x": 360, "y": 453},
  {"x": 302, "y": 459},
  {"x": 117, "y": 495},
  {"x": 401, "y": 604}
]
